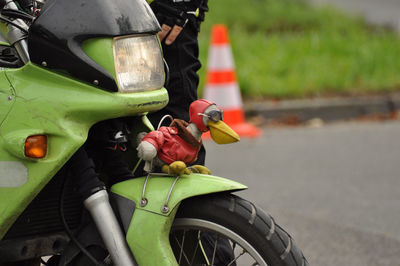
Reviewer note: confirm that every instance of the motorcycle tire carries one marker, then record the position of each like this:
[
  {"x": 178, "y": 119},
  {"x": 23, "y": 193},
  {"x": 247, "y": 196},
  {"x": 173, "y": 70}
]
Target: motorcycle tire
[
  {"x": 237, "y": 222},
  {"x": 232, "y": 222}
]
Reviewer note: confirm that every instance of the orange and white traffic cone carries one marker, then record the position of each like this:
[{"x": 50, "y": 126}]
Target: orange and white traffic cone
[{"x": 221, "y": 85}]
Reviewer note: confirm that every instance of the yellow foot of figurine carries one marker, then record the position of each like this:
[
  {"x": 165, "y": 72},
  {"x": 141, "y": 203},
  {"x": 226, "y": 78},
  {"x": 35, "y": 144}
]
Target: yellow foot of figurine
[
  {"x": 200, "y": 169},
  {"x": 175, "y": 168}
]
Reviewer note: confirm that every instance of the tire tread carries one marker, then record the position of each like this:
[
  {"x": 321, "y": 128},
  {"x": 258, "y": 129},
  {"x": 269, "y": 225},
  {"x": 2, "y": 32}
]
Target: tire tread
[{"x": 286, "y": 251}]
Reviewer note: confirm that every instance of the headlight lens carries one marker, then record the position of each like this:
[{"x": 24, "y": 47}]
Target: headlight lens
[{"x": 138, "y": 63}]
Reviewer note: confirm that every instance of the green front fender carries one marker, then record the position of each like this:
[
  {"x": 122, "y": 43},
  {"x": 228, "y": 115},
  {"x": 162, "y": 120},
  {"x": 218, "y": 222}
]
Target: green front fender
[{"x": 148, "y": 231}]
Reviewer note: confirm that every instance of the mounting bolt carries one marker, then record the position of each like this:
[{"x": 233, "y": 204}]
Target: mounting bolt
[
  {"x": 164, "y": 209},
  {"x": 96, "y": 82},
  {"x": 44, "y": 63},
  {"x": 143, "y": 202},
  {"x": 10, "y": 98}
]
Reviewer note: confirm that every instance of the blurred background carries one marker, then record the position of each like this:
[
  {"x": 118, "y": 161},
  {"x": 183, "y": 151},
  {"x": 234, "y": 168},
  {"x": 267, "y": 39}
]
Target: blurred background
[
  {"x": 321, "y": 79},
  {"x": 298, "y": 49}
]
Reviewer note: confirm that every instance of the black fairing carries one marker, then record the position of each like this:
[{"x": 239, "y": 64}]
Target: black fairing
[{"x": 57, "y": 34}]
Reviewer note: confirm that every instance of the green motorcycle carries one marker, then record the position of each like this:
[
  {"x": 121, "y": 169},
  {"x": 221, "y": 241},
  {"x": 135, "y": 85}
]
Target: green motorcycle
[{"x": 65, "y": 66}]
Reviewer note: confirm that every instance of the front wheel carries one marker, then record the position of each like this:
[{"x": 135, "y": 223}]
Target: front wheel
[{"x": 224, "y": 229}]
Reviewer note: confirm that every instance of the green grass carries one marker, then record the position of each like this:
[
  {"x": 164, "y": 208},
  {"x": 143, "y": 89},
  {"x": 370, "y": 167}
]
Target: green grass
[{"x": 288, "y": 49}]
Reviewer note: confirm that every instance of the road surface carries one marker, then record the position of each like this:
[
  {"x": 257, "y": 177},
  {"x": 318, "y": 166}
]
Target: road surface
[
  {"x": 336, "y": 189},
  {"x": 384, "y": 12}
]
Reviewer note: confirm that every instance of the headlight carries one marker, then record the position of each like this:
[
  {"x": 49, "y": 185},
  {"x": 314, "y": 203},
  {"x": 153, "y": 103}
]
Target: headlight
[{"x": 138, "y": 63}]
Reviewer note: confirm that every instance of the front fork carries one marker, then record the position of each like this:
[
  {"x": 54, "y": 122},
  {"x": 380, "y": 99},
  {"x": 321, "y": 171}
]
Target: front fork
[{"x": 103, "y": 215}]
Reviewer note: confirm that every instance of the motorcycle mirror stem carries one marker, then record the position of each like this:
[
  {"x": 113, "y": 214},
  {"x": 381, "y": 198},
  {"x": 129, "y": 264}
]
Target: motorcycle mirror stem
[{"x": 18, "y": 30}]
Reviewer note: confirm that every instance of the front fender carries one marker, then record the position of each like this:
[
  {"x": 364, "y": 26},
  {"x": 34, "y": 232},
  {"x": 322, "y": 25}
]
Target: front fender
[
  {"x": 148, "y": 232},
  {"x": 158, "y": 188}
]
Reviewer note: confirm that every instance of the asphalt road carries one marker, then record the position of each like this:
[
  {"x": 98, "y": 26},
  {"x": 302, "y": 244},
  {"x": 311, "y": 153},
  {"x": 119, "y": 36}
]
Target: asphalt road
[
  {"x": 336, "y": 189},
  {"x": 385, "y": 12}
]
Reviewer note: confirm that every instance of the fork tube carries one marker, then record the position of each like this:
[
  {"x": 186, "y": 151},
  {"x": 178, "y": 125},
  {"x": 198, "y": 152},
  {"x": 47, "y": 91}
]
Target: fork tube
[
  {"x": 16, "y": 37},
  {"x": 109, "y": 228}
]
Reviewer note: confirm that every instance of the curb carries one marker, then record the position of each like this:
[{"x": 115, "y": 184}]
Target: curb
[{"x": 327, "y": 109}]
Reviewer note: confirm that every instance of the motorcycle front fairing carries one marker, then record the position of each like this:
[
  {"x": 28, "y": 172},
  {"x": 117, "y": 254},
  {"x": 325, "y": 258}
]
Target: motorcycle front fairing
[{"x": 54, "y": 95}]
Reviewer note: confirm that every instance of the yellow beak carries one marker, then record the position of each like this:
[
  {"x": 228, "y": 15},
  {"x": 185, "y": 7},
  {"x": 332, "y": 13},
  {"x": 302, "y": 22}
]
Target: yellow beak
[{"x": 221, "y": 133}]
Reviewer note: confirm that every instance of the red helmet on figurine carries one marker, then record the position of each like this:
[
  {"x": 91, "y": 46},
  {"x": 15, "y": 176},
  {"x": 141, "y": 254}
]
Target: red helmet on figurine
[
  {"x": 196, "y": 110},
  {"x": 207, "y": 116}
]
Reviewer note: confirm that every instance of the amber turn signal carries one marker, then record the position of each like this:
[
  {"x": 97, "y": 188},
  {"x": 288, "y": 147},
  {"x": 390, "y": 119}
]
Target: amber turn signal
[{"x": 36, "y": 146}]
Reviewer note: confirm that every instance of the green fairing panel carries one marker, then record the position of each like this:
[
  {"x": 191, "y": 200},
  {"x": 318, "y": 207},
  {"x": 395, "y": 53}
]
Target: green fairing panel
[
  {"x": 149, "y": 229},
  {"x": 6, "y": 96},
  {"x": 63, "y": 109},
  {"x": 101, "y": 51}
]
